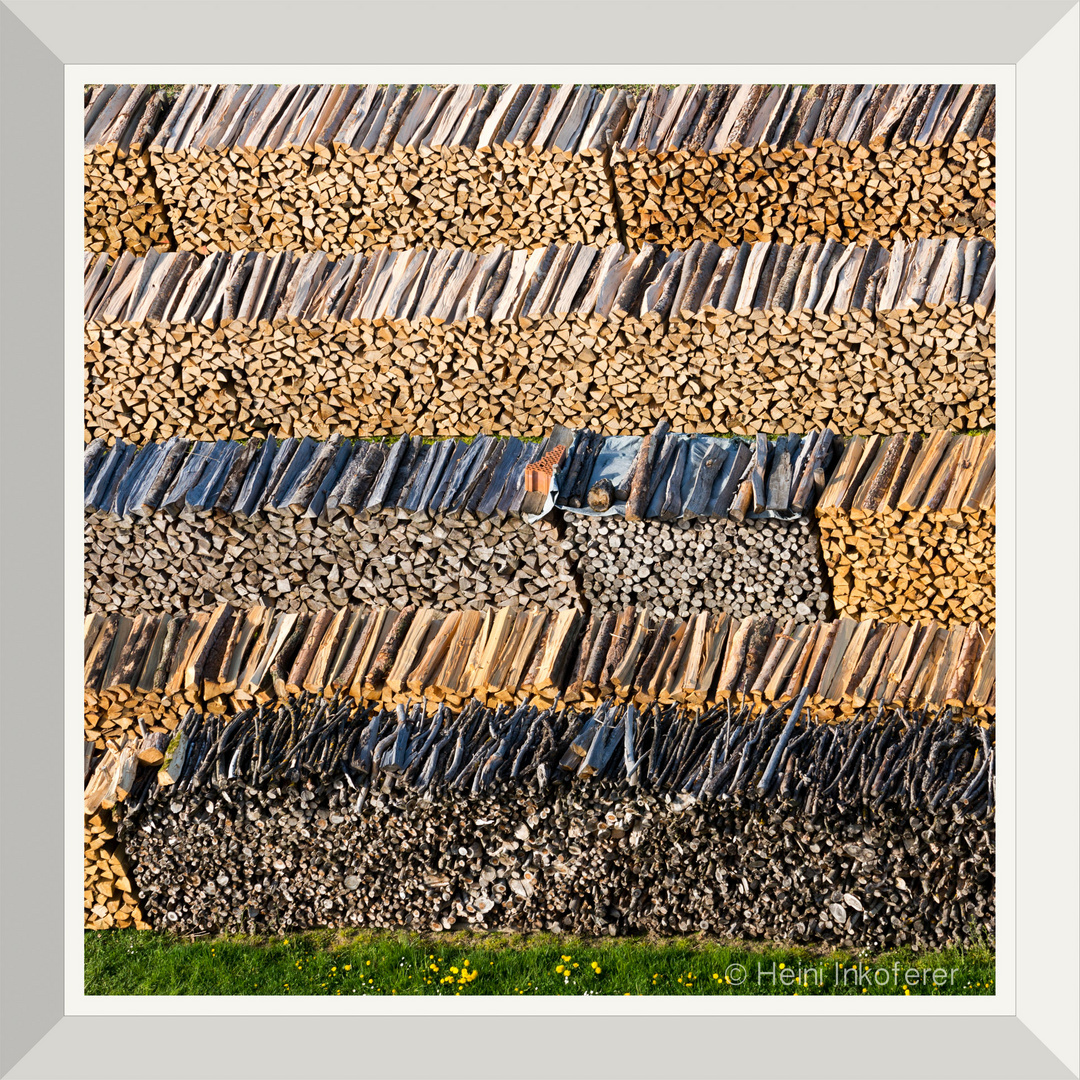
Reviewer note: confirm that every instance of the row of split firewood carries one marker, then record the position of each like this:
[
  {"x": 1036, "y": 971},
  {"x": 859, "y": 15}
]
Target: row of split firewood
[
  {"x": 344, "y": 167},
  {"x": 339, "y": 168},
  {"x": 122, "y": 203},
  {"x": 178, "y": 526},
  {"x": 591, "y": 821},
  {"x": 233, "y": 345},
  {"x": 769, "y": 567},
  {"x": 747, "y": 162},
  {"x": 181, "y": 525},
  {"x": 109, "y": 896},
  {"x": 908, "y": 528},
  {"x": 197, "y": 558},
  {"x": 153, "y": 666}
]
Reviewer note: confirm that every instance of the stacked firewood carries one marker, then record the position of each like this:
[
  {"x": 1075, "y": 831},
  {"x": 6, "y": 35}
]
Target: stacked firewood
[
  {"x": 198, "y": 558},
  {"x": 746, "y": 162},
  {"x": 177, "y": 526},
  {"x": 586, "y": 821},
  {"x": 759, "y": 337},
  {"x": 336, "y": 168},
  {"x": 152, "y": 667},
  {"x": 475, "y": 167},
  {"x": 122, "y": 204},
  {"x": 686, "y": 523},
  {"x": 908, "y": 528},
  {"x": 771, "y": 567},
  {"x": 340, "y": 168},
  {"x": 109, "y": 772},
  {"x": 109, "y": 897}
]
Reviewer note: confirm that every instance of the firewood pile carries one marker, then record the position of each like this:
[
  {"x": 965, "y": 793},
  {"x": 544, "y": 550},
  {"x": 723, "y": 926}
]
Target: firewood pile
[
  {"x": 589, "y": 821},
  {"x": 152, "y": 667},
  {"x": 685, "y": 523},
  {"x": 122, "y": 204},
  {"x": 763, "y": 337},
  {"x": 789, "y": 163},
  {"x": 178, "y": 526},
  {"x": 337, "y": 168},
  {"x": 109, "y": 897},
  {"x": 359, "y": 651},
  {"x": 677, "y": 568},
  {"x": 345, "y": 168},
  {"x": 908, "y": 528}
]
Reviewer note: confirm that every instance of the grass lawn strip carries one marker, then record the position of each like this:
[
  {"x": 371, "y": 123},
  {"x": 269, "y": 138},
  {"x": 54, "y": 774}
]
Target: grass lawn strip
[{"x": 340, "y": 963}]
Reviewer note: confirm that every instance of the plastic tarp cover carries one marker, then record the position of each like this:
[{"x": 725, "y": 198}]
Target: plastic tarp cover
[{"x": 613, "y": 463}]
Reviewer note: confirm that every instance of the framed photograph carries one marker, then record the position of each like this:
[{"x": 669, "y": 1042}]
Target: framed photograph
[{"x": 540, "y": 568}]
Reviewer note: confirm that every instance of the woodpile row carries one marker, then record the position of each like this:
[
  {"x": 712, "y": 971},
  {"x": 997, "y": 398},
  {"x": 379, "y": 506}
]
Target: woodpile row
[
  {"x": 122, "y": 204},
  {"x": 342, "y": 168},
  {"x": 763, "y": 337},
  {"x": 336, "y": 168},
  {"x": 109, "y": 897},
  {"x": 761, "y": 557},
  {"x": 745, "y": 568},
  {"x": 195, "y": 559},
  {"x": 744, "y": 162},
  {"x": 177, "y": 526},
  {"x": 908, "y": 528},
  {"x": 875, "y": 833},
  {"x": 153, "y": 666},
  {"x": 907, "y": 520}
]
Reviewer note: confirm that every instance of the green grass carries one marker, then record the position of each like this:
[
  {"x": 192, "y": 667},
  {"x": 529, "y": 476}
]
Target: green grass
[{"x": 350, "y": 963}]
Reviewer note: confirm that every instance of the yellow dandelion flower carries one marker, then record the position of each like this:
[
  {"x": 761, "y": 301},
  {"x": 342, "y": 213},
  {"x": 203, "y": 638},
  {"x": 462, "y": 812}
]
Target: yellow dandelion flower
[
  {"x": 559, "y": 969},
  {"x": 348, "y": 967},
  {"x": 782, "y": 965},
  {"x": 453, "y": 970}
]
